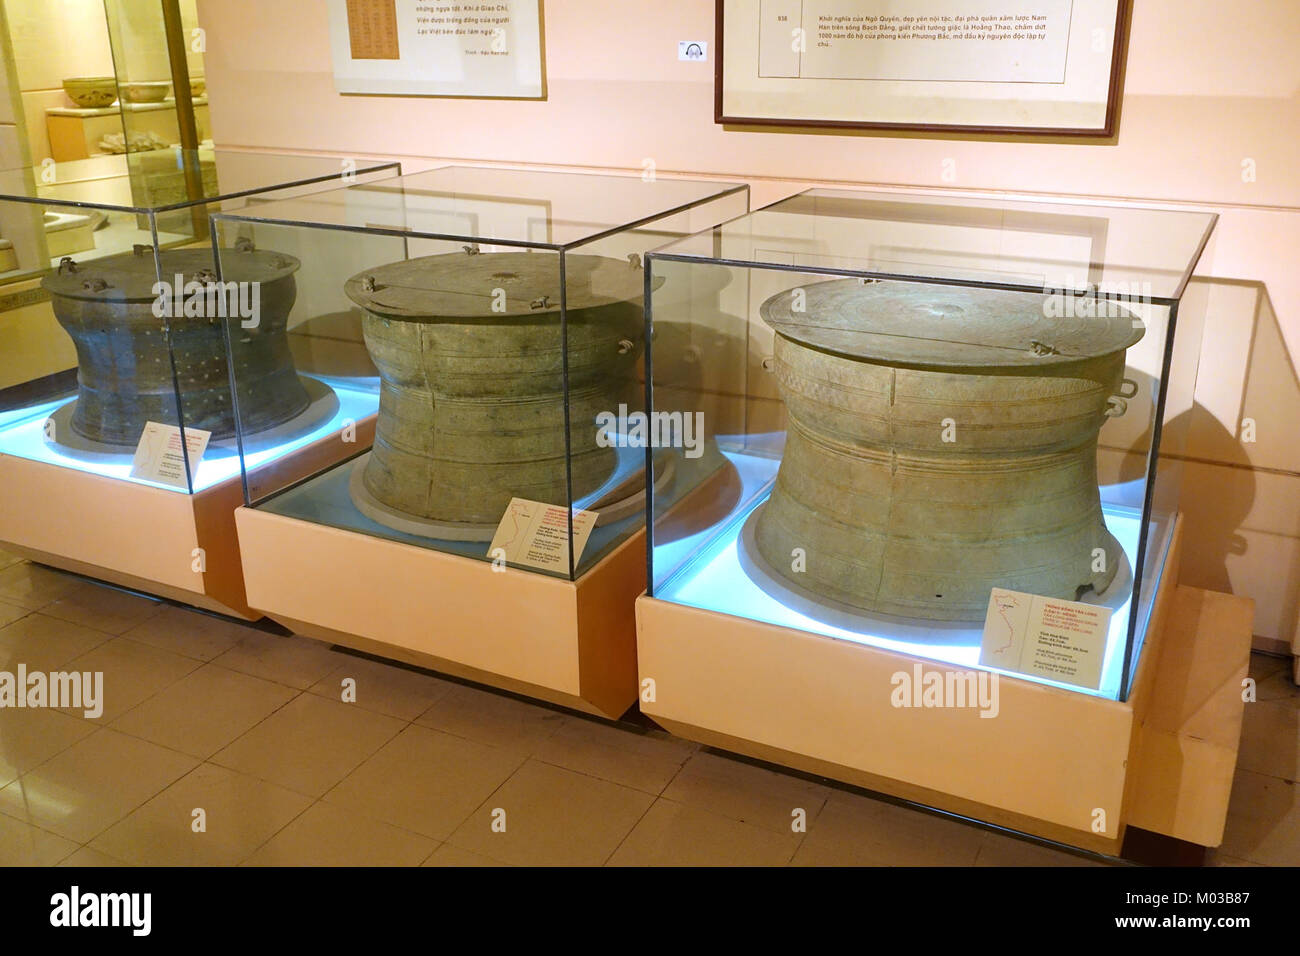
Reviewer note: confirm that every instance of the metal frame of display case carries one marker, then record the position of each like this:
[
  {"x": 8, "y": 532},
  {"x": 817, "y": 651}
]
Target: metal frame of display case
[{"x": 1154, "y": 758}]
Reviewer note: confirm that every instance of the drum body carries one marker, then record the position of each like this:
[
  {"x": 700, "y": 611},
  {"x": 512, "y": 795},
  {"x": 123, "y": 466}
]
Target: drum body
[
  {"x": 127, "y": 353},
  {"x": 473, "y": 401},
  {"x": 912, "y": 488}
]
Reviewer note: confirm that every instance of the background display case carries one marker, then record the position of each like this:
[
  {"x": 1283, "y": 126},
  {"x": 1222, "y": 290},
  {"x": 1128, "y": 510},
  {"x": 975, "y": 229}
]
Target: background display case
[
  {"x": 480, "y": 331},
  {"x": 910, "y": 403},
  {"x": 106, "y": 326}
]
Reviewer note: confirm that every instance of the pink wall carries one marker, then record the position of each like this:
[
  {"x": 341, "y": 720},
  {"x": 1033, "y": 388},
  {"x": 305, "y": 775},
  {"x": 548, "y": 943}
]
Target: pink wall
[{"x": 1208, "y": 85}]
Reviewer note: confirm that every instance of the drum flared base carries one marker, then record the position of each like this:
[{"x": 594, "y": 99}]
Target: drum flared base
[
  {"x": 623, "y": 501},
  {"x": 322, "y": 405},
  {"x": 838, "y": 614}
]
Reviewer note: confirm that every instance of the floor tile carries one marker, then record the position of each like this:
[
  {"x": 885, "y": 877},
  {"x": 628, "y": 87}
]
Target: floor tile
[
  {"x": 8, "y": 559},
  {"x": 205, "y": 710},
  {"x": 448, "y": 855},
  {"x": 425, "y": 781},
  {"x": 93, "y": 784},
  {"x": 1270, "y": 739},
  {"x": 132, "y": 673},
  {"x": 1219, "y": 859},
  {"x": 32, "y": 586},
  {"x": 22, "y": 844},
  {"x": 88, "y": 857},
  {"x": 553, "y": 817},
  {"x": 1001, "y": 849},
  {"x": 310, "y": 744},
  {"x": 31, "y": 736},
  {"x": 329, "y": 836},
  {"x": 383, "y": 688},
  {"x": 1278, "y": 686},
  {"x": 641, "y": 761},
  {"x": 103, "y": 608},
  {"x": 11, "y": 612},
  {"x": 191, "y": 633},
  {"x": 1264, "y": 666},
  {"x": 1263, "y": 820},
  {"x": 746, "y": 792},
  {"x": 492, "y": 719},
  {"x": 674, "y": 834},
  {"x": 46, "y": 643},
  {"x": 855, "y": 830},
  {"x": 240, "y": 814},
  {"x": 296, "y": 661}
]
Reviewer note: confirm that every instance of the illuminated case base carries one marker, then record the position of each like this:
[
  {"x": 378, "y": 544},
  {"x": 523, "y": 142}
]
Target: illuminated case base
[
  {"x": 127, "y": 533},
  {"x": 1064, "y": 766},
  {"x": 141, "y": 535}
]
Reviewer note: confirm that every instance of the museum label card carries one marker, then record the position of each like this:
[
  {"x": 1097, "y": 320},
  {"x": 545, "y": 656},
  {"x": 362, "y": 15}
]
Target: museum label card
[
  {"x": 536, "y": 535},
  {"x": 1060, "y": 640},
  {"x": 158, "y": 455}
]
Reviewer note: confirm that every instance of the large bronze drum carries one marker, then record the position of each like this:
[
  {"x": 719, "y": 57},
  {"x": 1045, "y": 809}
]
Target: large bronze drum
[
  {"x": 941, "y": 442},
  {"x": 124, "y": 371},
  {"x": 470, "y": 351}
]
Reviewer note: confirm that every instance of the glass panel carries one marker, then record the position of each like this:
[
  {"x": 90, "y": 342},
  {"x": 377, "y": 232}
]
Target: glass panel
[
  {"x": 880, "y": 453},
  {"x": 504, "y": 206},
  {"x": 147, "y": 181},
  {"x": 609, "y": 428},
  {"x": 96, "y": 342},
  {"x": 1163, "y": 471},
  {"x": 87, "y": 362},
  {"x": 417, "y": 427},
  {"x": 154, "y": 113},
  {"x": 498, "y": 347},
  {"x": 1121, "y": 251}
]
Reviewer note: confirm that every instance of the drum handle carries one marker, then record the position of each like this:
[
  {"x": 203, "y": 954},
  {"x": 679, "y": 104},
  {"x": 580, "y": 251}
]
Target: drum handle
[{"x": 1127, "y": 383}]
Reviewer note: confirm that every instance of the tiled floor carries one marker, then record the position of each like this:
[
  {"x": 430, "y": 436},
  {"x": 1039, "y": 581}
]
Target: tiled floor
[{"x": 223, "y": 744}]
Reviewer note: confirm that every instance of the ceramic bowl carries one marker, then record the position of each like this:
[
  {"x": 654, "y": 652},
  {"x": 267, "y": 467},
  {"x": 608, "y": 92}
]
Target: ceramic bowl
[
  {"x": 154, "y": 92},
  {"x": 91, "y": 92}
]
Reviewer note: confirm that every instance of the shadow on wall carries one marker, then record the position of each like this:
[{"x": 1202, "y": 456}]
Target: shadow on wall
[{"x": 1241, "y": 489}]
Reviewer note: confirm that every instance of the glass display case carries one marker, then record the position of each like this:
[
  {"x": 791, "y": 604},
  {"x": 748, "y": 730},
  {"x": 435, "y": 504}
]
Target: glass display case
[
  {"x": 919, "y": 415},
  {"x": 113, "y": 360},
  {"x": 475, "y": 337}
]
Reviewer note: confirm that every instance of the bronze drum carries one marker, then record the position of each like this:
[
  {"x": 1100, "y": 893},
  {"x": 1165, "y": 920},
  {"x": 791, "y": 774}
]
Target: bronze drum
[
  {"x": 941, "y": 442},
  {"x": 470, "y": 353},
  {"x": 124, "y": 371}
]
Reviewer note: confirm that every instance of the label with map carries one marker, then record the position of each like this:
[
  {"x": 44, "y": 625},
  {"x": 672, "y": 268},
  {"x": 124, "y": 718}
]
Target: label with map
[
  {"x": 1063, "y": 641},
  {"x": 536, "y": 535}
]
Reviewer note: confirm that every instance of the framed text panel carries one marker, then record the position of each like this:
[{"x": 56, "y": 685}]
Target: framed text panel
[{"x": 999, "y": 66}]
